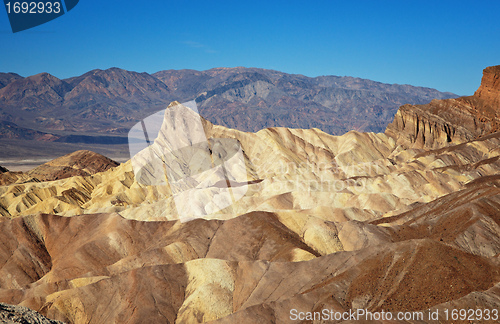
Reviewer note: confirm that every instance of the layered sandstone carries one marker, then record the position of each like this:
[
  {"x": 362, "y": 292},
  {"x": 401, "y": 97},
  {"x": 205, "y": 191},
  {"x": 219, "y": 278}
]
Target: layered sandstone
[
  {"x": 489, "y": 90},
  {"x": 79, "y": 163},
  {"x": 450, "y": 121},
  {"x": 95, "y": 267},
  {"x": 327, "y": 222}
]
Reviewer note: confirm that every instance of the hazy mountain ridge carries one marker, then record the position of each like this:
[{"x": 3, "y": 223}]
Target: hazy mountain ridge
[
  {"x": 98, "y": 101},
  {"x": 111, "y": 101},
  {"x": 231, "y": 97},
  {"x": 6, "y": 78}
]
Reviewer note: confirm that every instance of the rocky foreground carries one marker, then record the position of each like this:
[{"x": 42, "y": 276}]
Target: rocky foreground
[{"x": 408, "y": 220}]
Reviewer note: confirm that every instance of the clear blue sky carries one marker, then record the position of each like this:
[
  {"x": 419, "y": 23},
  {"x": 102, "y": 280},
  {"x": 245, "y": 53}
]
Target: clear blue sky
[{"x": 439, "y": 44}]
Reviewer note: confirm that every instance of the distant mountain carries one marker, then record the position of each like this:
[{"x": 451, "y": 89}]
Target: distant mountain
[
  {"x": 11, "y": 130},
  {"x": 98, "y": 101},
  {"x": 249, "y": 99},
  {"x": 6, "y": 78}
]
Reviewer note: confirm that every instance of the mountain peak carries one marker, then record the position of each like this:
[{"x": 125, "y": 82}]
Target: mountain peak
[
  {"x": 43, "y": 77},
  {"x": 42, "y": 89},
  {"x": 6, "y": 78}
]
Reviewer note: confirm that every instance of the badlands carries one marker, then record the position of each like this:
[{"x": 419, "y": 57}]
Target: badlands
[{"x": 406, "y": 220}]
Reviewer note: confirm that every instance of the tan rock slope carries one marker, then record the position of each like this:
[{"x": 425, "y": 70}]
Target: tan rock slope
[
  {"x": 362, "y": 220},
  {"x": 7, "y": 177}
]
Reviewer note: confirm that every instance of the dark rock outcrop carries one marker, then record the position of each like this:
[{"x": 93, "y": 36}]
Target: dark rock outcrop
[
  {"x": 79, "y": 163},
  {"x": 450, "y": 121},
  {"x": 11, "y": 314},
  {"x": 489, "y": 91}
]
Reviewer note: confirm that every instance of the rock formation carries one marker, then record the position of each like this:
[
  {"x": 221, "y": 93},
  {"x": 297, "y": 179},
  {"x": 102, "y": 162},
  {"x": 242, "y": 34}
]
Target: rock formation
[
  {"x": 7, "y": 177},
  {"x": 357, "y": 221},
  {"x": 489, "y": 91},
  {"x": 450, "y": 121},
  {"x": 22, "y": 315},
  {"x": 79, "y": 163}
]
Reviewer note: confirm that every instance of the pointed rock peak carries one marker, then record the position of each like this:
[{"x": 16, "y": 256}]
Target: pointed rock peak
[
  {"x": 490, "y": 86},
  {"x": 116, "y": 69},
  {"x": 173, "y": 104},
  {"x": 185, "y": 109},
  {"x": 43, "y": 77},
  {"x": 187, "y": 112}
]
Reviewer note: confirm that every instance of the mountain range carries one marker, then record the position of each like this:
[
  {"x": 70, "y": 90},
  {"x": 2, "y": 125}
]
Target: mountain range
[
  {"x": 402, "y": 221},
  {"x": 100, "y": 104}
]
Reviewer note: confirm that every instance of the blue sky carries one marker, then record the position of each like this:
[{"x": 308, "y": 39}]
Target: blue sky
[{"x": 438, "y": 44}]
